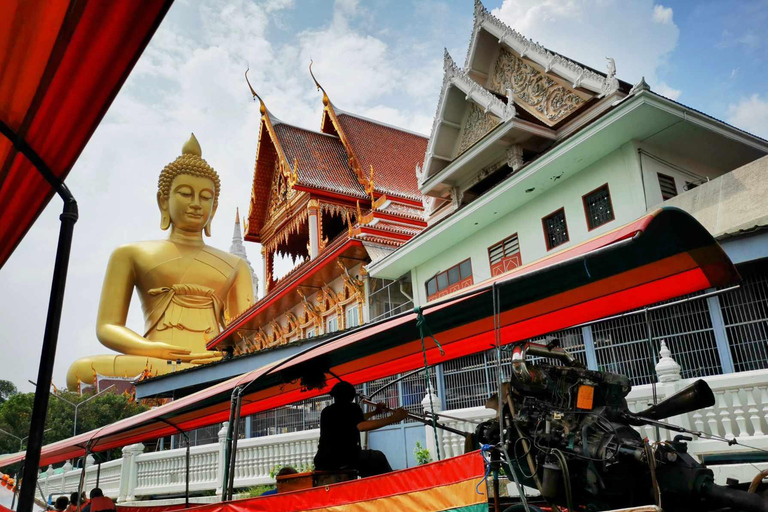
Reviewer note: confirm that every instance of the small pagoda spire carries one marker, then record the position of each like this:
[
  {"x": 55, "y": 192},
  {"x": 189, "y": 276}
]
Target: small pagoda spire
[{"x": 238, "y": 249}]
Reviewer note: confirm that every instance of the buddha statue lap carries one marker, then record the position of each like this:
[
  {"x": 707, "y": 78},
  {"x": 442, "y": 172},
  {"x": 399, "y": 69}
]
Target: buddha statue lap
[{"x": 184, "y": 285}]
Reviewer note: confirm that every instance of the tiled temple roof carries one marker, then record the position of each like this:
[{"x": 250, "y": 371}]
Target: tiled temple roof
[
  {"x": 321, "y": 160},
  {"x": 394, "y": 154}
]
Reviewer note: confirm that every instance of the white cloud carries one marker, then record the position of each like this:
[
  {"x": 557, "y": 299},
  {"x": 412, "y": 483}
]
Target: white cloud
[
  {"x": 588, "y": 32},
  {"x": 190, "y": 78},
  {"x": 662, "y": 14},
  {"x": 667, "y": 91},
  {"x": 279, "y": 5},
  {"x": 750, "y": 114}
]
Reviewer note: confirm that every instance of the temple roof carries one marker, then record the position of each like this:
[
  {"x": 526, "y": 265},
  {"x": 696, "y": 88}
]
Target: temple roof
[
  {"x": 393, "y": 153},
  {"x": 321, "y": 160}
]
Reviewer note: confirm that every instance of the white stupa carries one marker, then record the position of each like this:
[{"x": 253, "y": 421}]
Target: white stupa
[{"x": 238, "y": 249}]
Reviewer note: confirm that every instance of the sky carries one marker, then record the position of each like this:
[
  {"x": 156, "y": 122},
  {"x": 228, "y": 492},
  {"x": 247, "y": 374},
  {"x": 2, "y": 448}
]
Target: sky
[{"x": 380, "y": 59}]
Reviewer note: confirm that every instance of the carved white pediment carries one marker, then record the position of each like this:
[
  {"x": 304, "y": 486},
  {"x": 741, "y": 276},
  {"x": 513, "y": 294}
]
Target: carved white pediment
[
  {"x": 573, "y": 73},
  {"x": 486, "y": 111}
]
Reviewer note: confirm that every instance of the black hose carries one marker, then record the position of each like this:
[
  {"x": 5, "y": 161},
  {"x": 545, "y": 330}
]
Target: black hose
[{"x": 734, "y": 498}]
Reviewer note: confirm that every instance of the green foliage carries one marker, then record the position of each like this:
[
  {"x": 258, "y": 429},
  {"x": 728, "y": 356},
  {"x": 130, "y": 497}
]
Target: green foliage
[
  {"x": 7, "y": 390},
  {"x": 258, "y": 490},
  {"x": 422, "y": 454},
  {"x": 16, "y": 411}
]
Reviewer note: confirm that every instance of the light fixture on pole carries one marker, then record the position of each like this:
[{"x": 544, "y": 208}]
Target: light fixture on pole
[{"x": 77, "y": 405}]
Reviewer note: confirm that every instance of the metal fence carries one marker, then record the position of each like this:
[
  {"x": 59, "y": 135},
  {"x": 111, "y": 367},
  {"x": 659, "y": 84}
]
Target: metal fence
[{"x": 745, "y": 315}]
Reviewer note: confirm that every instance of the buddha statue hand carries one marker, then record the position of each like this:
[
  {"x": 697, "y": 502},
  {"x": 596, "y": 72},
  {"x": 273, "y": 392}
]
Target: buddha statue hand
[
  {"x": 207, "y": 357},
  {"x": 168, "y": 352}
]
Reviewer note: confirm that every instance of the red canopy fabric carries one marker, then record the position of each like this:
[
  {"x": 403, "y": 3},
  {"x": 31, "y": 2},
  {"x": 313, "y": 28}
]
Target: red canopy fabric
[
  {"x": 658, "y": 257},
  {"x": 62, "y": 65}
]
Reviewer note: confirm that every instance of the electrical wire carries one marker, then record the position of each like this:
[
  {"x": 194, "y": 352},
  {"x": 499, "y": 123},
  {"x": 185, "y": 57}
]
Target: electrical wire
[{"x": 563, "y": 463}]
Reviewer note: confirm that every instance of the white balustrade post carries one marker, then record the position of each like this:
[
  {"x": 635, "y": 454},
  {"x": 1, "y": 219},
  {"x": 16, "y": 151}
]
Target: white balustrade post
[
  {"x": 668, "y": 372},
  {"x": 738, "y": 413},
  {"x": 434, "y": 407},
  {"x": 67, "y": 468},
  {"x": 667, "y": 368},
  {"x": 128, "y": 472},
  {"x": 48, "y": 475},
  {"x": 222, "y": 455},
  {"x": 725, "y": 415},
  {"x": 754, "y": 419}
]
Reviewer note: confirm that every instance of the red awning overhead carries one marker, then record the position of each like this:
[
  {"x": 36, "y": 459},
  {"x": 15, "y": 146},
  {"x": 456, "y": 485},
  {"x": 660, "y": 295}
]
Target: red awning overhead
[
  {"x": 61, "y": 65},
  {"x": 658, "y": 257}
]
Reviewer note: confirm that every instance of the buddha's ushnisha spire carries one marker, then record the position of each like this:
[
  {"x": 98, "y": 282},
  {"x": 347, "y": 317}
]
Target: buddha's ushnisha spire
[{"x": 192, "y": 147}]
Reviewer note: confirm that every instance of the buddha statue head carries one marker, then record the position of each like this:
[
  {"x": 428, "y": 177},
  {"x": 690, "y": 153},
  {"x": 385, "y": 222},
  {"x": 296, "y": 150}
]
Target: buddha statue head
[{"x": 188, "y": 191}]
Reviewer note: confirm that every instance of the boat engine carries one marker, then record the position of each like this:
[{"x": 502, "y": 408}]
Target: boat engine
[{"x": 568, "y": 432}]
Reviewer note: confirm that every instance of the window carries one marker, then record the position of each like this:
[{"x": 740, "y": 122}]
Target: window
[
  {"x": 455, "y": 278},
  {"x": 332, "y": 324},
  {"x": 505, "y": 255},
  {"x": 352, "y": 316},
  {"x": 598, "y": 207},
  {"x": 555, "y": 229},
  {"x": 667, "y": 185},
  {"x": 309, "y": 333}
]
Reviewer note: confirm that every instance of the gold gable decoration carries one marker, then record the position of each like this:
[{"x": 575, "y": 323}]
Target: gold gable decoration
[
  {"x": 542, "y": 95},
  {"x": 280, "y": 191}
]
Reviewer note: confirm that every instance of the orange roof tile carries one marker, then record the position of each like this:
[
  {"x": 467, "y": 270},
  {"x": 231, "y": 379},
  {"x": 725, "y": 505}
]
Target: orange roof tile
[{"x": 393, "y": 153}]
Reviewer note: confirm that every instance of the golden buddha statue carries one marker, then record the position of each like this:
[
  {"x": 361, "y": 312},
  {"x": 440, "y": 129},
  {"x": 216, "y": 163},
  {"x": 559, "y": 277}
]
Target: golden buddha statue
[{"x": 185, "y": 286}]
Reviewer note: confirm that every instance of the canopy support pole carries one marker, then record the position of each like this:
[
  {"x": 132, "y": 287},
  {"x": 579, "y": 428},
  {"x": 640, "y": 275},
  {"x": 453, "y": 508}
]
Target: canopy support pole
[
  {"x": 68, "y": 219},
  {"x": 98, "y": 473},
  {"x": 238, "y": 397},
  {"x": 228, "y": 443},
  {"x": 82, "y": 474}
]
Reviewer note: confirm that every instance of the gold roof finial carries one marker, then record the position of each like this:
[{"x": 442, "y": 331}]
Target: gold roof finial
[
  {"x": 326, "y": 100},
  {"x": 192, "y": 147},
  {"x": 262, "y": 107},
  {"x": 370, "y": 187}
]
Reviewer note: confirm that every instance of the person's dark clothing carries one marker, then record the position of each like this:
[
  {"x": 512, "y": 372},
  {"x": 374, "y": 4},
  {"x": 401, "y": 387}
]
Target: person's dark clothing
[{"x": 339, "y": 446}]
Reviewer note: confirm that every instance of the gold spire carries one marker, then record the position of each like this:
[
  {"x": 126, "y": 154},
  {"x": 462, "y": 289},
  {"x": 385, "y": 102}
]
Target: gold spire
[
  {"x": 326, "y": 100},
  {"x": 263, "y": 107},
  {"x": 192, "y": 147}
]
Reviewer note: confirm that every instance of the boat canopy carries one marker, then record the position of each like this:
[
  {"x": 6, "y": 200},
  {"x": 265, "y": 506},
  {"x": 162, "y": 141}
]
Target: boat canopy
[
  {"x": 660, "y": 256},
  {"x": 62, "y": 65}
]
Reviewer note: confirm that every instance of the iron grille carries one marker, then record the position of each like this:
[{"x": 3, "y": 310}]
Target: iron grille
[
  {"x": 598, "y": 207},
  {"x": 621, "y": 344},
  {"x": 745, "y": 314},
  {"x": 555, "y": 229}
]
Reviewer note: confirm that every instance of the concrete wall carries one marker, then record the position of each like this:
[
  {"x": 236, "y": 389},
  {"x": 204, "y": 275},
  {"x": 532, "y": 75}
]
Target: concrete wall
[
  {"x": 736, "y": 198},
  {"x": 735, "y": 201},
  {"x": 619, "y": 169}
]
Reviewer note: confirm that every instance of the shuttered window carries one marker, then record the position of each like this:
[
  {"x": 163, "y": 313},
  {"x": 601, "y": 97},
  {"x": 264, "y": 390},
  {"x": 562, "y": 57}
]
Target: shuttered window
[
  {"x": 505, "y": 255},
  {"x": 667, "y": 185},
  {"x": 555, "y": 229}
]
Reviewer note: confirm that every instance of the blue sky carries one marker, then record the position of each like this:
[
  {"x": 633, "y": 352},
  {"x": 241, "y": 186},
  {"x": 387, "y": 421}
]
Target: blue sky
[{"x": 381, "y": 59}]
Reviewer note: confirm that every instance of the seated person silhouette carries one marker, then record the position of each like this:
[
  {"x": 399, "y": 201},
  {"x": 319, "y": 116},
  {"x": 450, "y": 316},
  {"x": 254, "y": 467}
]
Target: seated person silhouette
[{"x": 340, "y": 427}]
